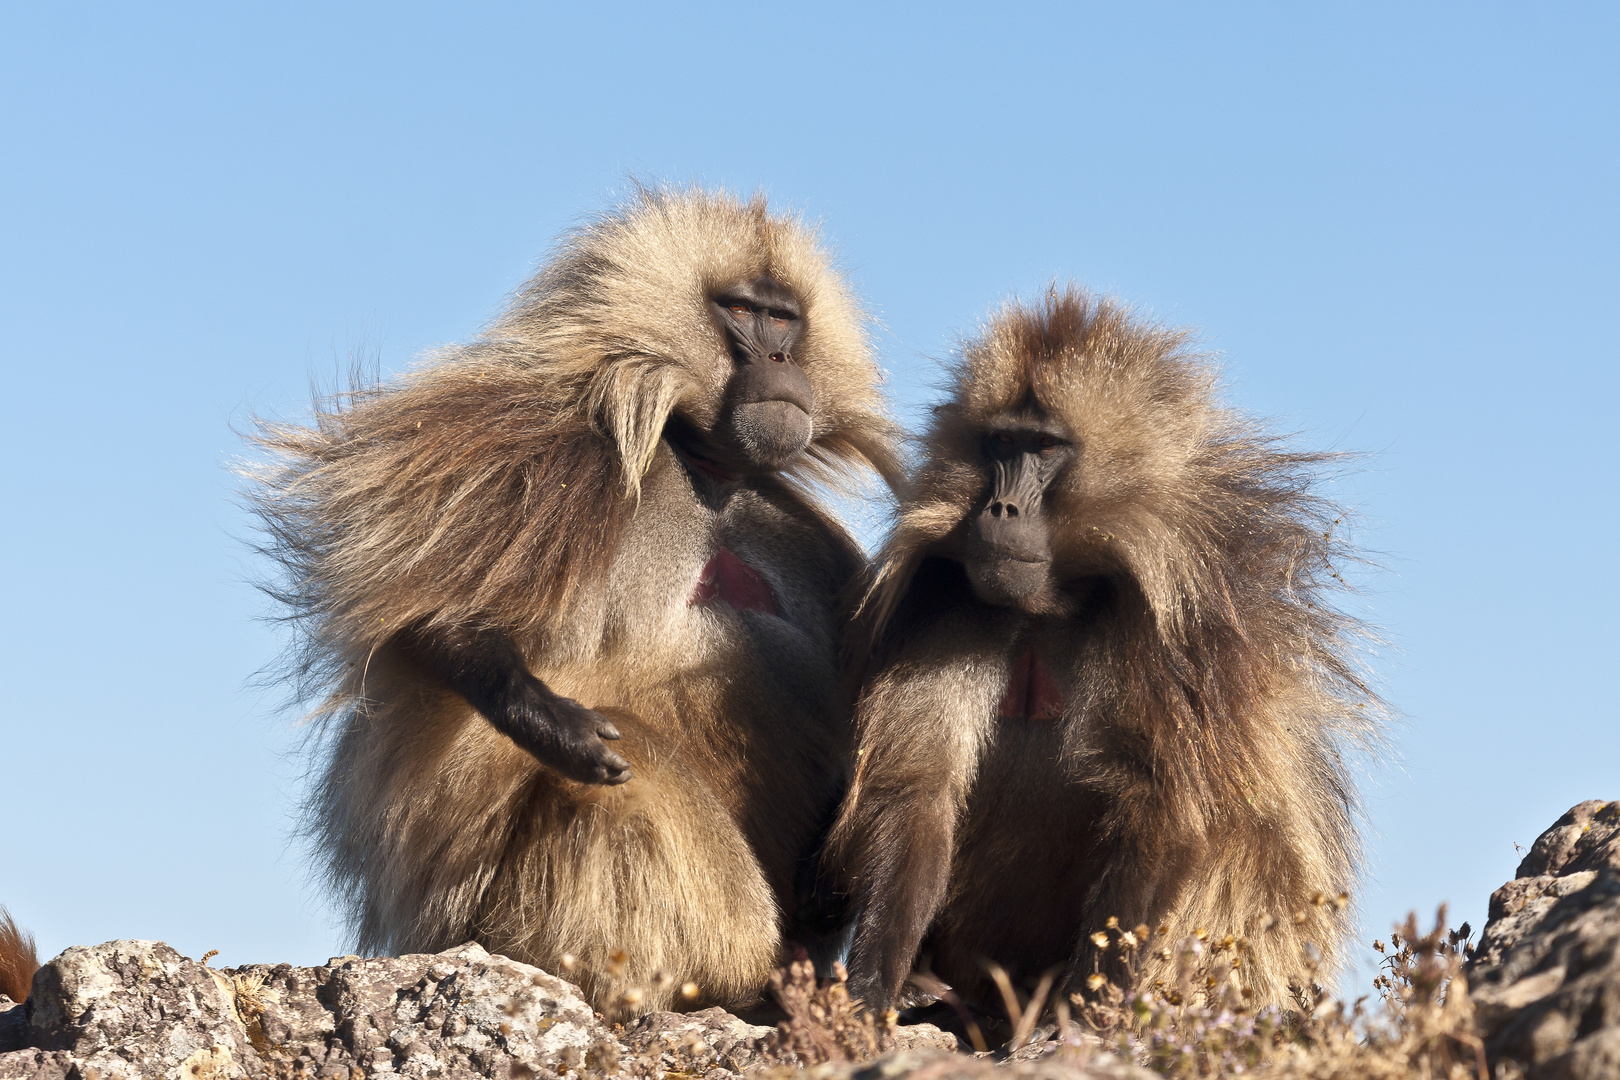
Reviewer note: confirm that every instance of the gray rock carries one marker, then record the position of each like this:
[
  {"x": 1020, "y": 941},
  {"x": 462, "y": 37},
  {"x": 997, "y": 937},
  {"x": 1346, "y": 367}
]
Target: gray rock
[
  {"x": 13, "y": 1025},
  {"x": 1545, "y": 977},
  {"x": 457, "y": 1013},
  {"x": 1056, "y": 1062},
  {"x": 37, "y": 1065},
  {"x": 696, "y": 1042},
  {"x": 139, "y": 1008},
  {"x": 921, "y": 1037},
  {"x": 1545, "y": 982}
]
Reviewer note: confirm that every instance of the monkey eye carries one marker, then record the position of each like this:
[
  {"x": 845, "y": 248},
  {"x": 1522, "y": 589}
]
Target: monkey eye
[
  {"x": 1004, "y": 439},
  {"x": 740, "y": 308},
  {"x": 1048, "y": 442}
]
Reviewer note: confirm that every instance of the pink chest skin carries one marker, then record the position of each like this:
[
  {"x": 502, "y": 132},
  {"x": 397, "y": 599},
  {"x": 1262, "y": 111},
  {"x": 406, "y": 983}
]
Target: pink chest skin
[
  {"x": 727, "y": 578},
  {"x": 1031, "y": 691}
]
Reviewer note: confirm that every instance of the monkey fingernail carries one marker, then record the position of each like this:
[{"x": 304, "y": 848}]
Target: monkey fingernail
[{"x": 608, "y": 731}]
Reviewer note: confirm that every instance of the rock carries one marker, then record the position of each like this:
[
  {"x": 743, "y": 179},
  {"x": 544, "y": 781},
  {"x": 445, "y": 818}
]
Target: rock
[
  {"x": 139, "y": 1008},
  {"x": 1544, "y": 982},
  {"x": 38, "y": 1065},
  {"x": 457, "y": 1013},
  {"x": 1056, "y": 1063},
  {"x": 919, "y": 1037},
  {"x": 13, "y": 1025},
  {"x": 1545, "y": 977},
  {"x": 697, "y": 1042}
]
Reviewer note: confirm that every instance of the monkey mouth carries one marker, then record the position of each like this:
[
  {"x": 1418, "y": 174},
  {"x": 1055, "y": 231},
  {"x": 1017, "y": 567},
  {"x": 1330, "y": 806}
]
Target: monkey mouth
[
  {"x": 1020, "y": 556},
  {"x": 771, "y": 433},
  {"x": 1004, "y": 578},
  {"x": 990, "y": 551}
]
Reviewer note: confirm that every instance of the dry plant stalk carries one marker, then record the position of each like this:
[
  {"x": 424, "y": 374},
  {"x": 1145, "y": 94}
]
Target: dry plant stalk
[
  {"x": 824, "y": 1023},
  {"x": 1201, "y": 1024}
]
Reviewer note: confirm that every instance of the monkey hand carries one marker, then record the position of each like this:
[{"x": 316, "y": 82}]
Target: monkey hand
[
  {"x": 566, "y": 736},
  {"x": 869, "y": 991}
]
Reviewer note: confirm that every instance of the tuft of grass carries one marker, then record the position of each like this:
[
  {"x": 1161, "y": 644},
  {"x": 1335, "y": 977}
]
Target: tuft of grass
[
  {"x": 824, "y": 1024},
  {"x": 1200, "y": 1025},
  {"x": 1204, "y": 1026}
]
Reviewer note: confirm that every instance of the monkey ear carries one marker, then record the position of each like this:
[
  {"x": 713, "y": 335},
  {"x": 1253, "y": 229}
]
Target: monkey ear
[{"x": 633, "y": 400}]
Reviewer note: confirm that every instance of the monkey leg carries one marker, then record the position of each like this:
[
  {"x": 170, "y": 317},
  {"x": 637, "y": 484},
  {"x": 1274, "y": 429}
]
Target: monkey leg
[
  {"x": 1273, "y": 884},
  {"x": 904, "y": 871},
  {"x": 1252, "y": 881},
  {"x": 1138, "y": 877},
  {"x": 649, "y": 886}
]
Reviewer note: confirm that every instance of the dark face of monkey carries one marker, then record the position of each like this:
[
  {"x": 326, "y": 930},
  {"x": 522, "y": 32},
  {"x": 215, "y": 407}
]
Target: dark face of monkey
[
  {"x": 765, "y": 416},
  {"x": 1008, "y": 548}
]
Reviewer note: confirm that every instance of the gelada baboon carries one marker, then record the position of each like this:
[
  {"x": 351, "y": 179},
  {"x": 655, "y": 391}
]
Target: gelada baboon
[
  {"x": 591, "y": 524},
  {"x": 1103, "y": 679}
]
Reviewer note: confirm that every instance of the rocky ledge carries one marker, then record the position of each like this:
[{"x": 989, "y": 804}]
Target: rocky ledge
[
  {"x": 139, "y": 1008},
  {"x": 1545, "y": 977},
  {"x": 1544, "y": 982}
]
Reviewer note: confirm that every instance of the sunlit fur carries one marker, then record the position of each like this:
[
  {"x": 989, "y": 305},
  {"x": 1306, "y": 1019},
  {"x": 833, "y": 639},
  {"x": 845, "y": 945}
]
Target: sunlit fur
[
  {"x": 1195, "y": 778},
  {"x": 523, "y": 482},
  {"x": 18, "y": 961}
]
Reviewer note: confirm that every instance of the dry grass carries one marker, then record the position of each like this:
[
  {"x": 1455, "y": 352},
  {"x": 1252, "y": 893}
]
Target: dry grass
[
  {"x": 823, "y": 1022},
  {"x": 1418, "y": 1023}
]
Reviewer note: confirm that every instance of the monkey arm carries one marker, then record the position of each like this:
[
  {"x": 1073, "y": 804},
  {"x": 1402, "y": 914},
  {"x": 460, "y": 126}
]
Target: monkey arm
[
  {"x": 900, "y": 879},
  {"x": 922, "y": 723},
  {"x": 485, "y": 667}
]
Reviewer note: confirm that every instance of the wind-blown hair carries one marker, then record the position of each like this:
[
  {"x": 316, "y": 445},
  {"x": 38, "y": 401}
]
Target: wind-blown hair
[
  {"x": 477, "y": 487},
  {"x": 1216, "y": 693}
]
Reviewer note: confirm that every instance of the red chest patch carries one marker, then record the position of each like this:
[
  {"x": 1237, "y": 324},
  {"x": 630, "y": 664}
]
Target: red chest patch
[
  {"x": 727, "y": 578},
  {"x": 1032, "y": 693}
]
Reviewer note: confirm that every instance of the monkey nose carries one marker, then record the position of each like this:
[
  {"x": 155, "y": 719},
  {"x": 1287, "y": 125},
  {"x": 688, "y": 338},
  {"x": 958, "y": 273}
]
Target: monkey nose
[{"x": 1011, "y": 531}]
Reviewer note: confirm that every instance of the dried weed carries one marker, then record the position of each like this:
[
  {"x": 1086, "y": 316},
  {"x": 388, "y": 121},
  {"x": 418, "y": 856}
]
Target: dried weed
[
  {"x": 823, "y": 1023},
  {"x": 1202, "y": 1025}
]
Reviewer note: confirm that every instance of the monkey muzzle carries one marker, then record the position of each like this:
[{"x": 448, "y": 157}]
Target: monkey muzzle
[
  {"x": 1009, "y": 550},
  {"x": 770, "y": 402}
]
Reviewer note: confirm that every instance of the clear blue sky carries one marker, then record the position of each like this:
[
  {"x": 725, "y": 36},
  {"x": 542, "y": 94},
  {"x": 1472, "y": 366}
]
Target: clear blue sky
[{"x": 1399, "y": 223}]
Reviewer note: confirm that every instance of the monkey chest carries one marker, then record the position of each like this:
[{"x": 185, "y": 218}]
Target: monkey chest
[
  {"x": 1032, "y": 691},
  {"x": 728, "y": 579}
]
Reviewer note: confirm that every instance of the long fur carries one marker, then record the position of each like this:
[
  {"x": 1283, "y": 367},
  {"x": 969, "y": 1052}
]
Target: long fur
[
  {"x": 18, "y": 960},
  {"x": 457, "y": 494},
  {"x": 522, "y": 482},
  {"x": 1197, "y": 777}
]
